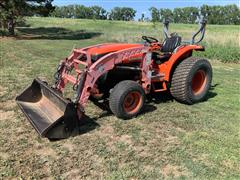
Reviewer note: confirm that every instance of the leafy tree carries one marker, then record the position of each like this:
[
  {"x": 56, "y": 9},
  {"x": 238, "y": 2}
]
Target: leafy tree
[
  {"x": 83, "y": 12},
  {"x": 65, "y": 11},
  {"x": 147, "y": 19},
  {"x": 229, "y": 14},
  {"x": 165, "y": 14},
  {"x": 155, "y": 14},
  {"x": 191, "y": 14},
  {"x": 186, "y": 15},
  {"x": 142, "y": 17},
  {"x": 80, "y": 11},
  {"x": 13, "y": 10},
  {"x": 44, "y": 7},
  {"x": 98, "y": 12},
  {"x": 58, "y": 12},
  {"x": 178, "y": 15},
  {"x": 212, "y": 13},
  {"x": 232, "y": 14},
  {"x": 122, "y": 13}
]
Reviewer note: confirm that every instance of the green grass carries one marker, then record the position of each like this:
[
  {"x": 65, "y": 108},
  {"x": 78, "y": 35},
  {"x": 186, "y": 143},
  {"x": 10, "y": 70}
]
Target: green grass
[{"x": 170, "y": 140}]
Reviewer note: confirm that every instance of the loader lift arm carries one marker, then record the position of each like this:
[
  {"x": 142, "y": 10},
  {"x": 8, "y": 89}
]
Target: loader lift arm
[
  {"x": 54, "y": 116},
  {"x": 86, "y": 78}
]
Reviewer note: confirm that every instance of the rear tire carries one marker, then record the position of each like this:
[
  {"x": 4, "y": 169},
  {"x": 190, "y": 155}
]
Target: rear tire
[
  {"x": 191, "y": 80},
  {"x": 127, "y": 99}
]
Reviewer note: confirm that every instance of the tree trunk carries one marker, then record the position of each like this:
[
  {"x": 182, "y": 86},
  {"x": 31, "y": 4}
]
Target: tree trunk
[{"x": 11, "y": 27}]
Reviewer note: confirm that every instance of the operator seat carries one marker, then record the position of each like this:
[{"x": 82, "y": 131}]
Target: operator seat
[
  {"x": 168, "y": 46},
  {"x": 171, "y": 43}
]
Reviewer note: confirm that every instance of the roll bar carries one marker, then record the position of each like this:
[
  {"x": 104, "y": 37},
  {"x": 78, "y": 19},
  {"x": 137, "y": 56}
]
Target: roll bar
[
  {"x": 165, "y": 28},
  {"x": 193, "y": 41},
  {"x": 201, "y": 30}
]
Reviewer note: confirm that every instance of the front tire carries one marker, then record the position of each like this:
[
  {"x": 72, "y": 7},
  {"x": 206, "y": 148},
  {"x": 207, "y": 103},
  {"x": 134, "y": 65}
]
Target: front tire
[
  {"x": 191, "y": 80},
  {"x": 127, "y": 99}
]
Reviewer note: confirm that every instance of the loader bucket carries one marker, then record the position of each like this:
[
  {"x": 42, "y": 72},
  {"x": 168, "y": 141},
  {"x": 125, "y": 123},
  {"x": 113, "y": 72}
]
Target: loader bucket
[{"x": 49, "y": 113}]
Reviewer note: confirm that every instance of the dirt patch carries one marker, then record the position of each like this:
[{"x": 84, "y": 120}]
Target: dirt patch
[
  {"x": 112, "y": 139},
  {"x": 10, "y": 104},
  {"x": 125, "y": 139},
  {"x": 122, "y": 139},
  {"x": 4, "y": 115},
  {"x": 108, "y": 130},
  {"x": 4, "y": 155},
  {"x": 69, "y": 146},
  {"x": 46, "y": 152},
  {"x": 228, "y": 164},
  {"x": 72, "y": 174},
  {"x": 173, "y": 140},
  {"x": 3, "y": 91},
  {"x": 5, "y": 38},
  {"x": 143, "y": 151},
  {"x": 108, "y": 133},
  {"x": 204, "y": 159},
  {"x": 172, "y": 170},
  {"x": 180, "y": 130}
]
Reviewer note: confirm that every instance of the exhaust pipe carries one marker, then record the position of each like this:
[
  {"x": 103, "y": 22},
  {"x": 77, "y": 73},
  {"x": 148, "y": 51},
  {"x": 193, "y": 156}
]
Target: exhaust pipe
[{"x": 50, "y": 114}]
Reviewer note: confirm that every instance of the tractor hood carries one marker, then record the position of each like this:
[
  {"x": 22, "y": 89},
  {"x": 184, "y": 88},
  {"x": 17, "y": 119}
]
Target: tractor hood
[{"x": 104, "y": 49}]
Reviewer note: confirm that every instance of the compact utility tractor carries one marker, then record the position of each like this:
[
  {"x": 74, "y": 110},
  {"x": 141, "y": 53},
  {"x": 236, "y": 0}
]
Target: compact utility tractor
[{"x": 121, "y": 74}]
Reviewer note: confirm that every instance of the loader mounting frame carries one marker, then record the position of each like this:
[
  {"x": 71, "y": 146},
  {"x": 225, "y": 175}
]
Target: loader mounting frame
[{"x": 85, "y": 79}]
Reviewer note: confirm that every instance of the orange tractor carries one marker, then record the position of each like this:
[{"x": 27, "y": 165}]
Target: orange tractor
[{"x": 120, "y": 74}]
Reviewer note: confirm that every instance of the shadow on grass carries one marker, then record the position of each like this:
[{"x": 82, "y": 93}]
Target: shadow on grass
[
  {"x": 107, "y": 111},
  {"x": 166, "y": 96},
  {"x": 147, "y": 109},
  {"x": 211, "y": 93},
  {"x": 160, "y": 97},
  {"x": 54, "y": 33},
  {"x": 88, "y": 124},
  {"x": 23, "y": 24},
  {"x": 85, "y": 125}
]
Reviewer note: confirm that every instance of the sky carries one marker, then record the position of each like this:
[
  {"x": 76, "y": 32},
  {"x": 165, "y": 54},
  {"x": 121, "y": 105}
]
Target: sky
[{"x": 142, "y": 6}]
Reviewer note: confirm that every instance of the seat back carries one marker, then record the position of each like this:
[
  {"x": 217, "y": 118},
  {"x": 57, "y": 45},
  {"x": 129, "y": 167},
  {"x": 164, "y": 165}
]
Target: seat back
[{"x": 171, "y": 43}]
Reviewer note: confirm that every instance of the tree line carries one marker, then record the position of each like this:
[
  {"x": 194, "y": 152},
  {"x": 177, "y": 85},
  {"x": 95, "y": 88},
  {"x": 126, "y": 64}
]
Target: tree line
[
  {"x": 94, "y": 12},
  {"x": 229, "y": 14},
  {"x": 13, "y": 12}
]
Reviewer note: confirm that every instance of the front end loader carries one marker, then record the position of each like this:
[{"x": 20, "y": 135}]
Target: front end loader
[{"x": 119, "y": 74}]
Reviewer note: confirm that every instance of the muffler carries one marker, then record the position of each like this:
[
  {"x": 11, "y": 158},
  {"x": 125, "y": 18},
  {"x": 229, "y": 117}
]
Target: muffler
[{"x": 49, "y": 113}]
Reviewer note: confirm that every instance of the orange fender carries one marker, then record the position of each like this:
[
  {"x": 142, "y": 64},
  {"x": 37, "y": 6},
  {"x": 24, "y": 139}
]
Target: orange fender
[{"x": 182, "y": 53}]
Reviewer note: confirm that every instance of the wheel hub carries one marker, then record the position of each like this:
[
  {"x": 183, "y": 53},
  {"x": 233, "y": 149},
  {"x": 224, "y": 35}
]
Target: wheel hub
[
  {"x": 132, "y": 102},
  {"x": 198, "y": 82}
]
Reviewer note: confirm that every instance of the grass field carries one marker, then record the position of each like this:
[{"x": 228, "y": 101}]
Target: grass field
[{"x": 169, "y": 140}]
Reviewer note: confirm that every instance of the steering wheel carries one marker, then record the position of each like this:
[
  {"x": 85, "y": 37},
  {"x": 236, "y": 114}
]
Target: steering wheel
[{"x": 149, "y": 39}]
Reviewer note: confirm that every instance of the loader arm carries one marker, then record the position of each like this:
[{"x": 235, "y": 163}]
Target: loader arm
[
  {"x": 87, "y": 78},
  {"x": 54, "y": 116},
  {"x": 108, "y": 62}
]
